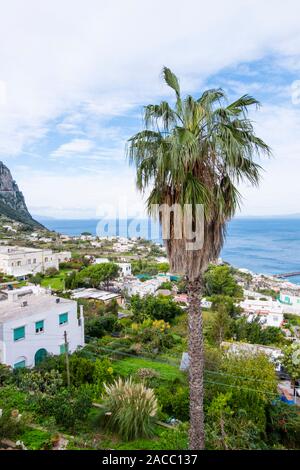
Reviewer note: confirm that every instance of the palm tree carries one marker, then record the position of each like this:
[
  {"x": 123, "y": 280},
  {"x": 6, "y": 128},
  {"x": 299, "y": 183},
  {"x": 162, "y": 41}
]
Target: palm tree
[{"x": 196, "y": 152}]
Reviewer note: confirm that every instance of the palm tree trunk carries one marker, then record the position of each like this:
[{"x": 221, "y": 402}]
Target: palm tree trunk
[{"x": 196, "y": 365}]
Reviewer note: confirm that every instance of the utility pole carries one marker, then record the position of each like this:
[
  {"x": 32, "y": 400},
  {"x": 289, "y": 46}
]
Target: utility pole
[{"x": 67, "y": 359}]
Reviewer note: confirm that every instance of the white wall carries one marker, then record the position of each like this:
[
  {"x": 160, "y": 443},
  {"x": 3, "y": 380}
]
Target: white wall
[
  {"x": 125, "y": 269},
  {"x": 50, "y": 339},
  {"x": 20, "y": 263}
]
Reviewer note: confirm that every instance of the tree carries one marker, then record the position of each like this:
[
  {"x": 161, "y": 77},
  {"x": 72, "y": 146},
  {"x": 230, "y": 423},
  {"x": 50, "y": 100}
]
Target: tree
[
  {"x": 156, "y": 308},
  {"x": 51, "y": 271},
  {"x": 36, "y": 279},
  {"x": 163, "y": 267},
  {"x": 220, "y": 281},
  {"x": 252, "y": 381},
  {"x": 99, "y": 326},
  {"x": 228, "y": 302},
  {"x": 195, "y": 153},
  {"x": 253, "y": 332},
  {"x": 98, "y": 273},
  {"x": 71, "y": 280},
  {"x": 291, "y": 362},
  {"x": 221, "y": 324}
]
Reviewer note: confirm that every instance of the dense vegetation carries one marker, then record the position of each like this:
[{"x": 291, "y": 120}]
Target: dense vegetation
[{"x": 135, "y": 360}]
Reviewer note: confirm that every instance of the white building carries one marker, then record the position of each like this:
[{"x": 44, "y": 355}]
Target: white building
[
  {"x": 32, "y": 324},
  {"x": 269, "y": 312},
  {"x": 20, "y": 261},
  {"x": 270, "y": 319},
  {"x": 135, "y": 286},
  {"x": 261, "y": 307},
  {"x": 290, "y": 303},
  {"x": 125, "y": 269}
]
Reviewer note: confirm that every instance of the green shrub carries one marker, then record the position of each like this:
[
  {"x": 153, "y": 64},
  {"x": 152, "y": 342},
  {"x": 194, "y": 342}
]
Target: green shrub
[
  {"x": 174, "y": 401},
  {"x": 131, "y": 407},
  {"x": 68, "y": 407},
  {"x": 35, "y": 439},
  {"x": 11, "y": 398},
  {"x": 10, "y": 427},
  {"x": 51, "y": 272},
  {"x": 283, "y": 425},
  {"x": 100, "y": 326},
  {"x": 43, "y": 382},
  {"x": 5, "y": 374},
  {"x": 103, "y": 373},
  {"x": 176, "y": 439}
]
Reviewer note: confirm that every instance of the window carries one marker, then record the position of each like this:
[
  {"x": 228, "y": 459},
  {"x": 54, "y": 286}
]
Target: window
[
  {"x": 46, "y": 259},
  {"x": 18, "y": 263},
  {"x": 63, "y": 318},
  {"x": 19, "y": 365},
  {"x": 62, "y": 348},
  {"x": 29, "y": 261},
  {"x": 34, "y": 260},
  {"x": 19, "y": 333},
  {"x": 39, "y": 326}
]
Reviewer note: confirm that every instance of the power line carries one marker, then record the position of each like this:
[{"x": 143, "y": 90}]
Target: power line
[{"x": 174, "y": 365}]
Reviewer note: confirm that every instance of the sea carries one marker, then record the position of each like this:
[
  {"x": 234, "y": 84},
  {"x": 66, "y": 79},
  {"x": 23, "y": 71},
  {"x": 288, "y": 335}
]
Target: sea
[{"x": 262, "y": 245}]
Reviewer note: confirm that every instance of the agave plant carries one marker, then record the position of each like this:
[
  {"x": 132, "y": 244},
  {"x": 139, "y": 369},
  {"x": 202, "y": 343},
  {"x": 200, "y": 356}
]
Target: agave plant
[{"x": 131, "y": 408}]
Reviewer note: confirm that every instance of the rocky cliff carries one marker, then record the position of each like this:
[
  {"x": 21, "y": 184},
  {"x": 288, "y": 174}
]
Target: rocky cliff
[{"x": 12, "y": 202}]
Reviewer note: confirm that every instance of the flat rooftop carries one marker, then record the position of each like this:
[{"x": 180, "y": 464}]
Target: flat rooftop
[
  {"x": 94, "y": 294},
  {"x": 36, "y": 303},
  {"x": 10, "y": 250}
]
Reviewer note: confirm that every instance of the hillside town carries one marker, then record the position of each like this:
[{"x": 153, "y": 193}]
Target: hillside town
[{"x": 67, "y": 300}]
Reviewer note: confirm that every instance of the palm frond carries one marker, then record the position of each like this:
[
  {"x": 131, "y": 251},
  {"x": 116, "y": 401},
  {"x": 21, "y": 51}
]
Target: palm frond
[{"x": 195, "y": 154}]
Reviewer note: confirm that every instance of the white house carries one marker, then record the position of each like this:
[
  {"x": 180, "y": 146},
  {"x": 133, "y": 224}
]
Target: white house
[
  {"x": 270, "y": 312},
  {"x": 125, "y": 269},
  {"x": 135, "y": 286},
  {"x": 261, "y": 307},
  {"x": 270, "y": 319},
  {"x": 20, "y": 261},
  {"x": 33, "y": 323},
  {"x": 290, "y": 303}
]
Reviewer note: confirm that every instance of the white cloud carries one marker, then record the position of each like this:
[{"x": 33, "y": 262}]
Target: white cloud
[
  {"x": 74, "y": 62},
  {"x": 109, "y": 54},
  {"x": 76, "y": 147}
]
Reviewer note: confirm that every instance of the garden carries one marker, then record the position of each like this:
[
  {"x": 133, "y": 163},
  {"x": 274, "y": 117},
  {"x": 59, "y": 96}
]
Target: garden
[{"x": 128, "y": 391}]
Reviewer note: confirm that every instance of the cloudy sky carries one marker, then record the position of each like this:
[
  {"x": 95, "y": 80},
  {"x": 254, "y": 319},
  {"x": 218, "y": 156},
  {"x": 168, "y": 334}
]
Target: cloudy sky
[{"x": 75, "y": 74}]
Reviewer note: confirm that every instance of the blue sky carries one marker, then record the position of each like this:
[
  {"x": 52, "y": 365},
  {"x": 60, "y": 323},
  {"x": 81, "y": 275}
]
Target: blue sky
[{"x": 75, "y": 74}]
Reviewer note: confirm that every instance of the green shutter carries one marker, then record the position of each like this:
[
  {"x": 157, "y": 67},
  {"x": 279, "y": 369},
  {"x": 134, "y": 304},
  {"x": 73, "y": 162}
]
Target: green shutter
[
  {"x": 63, "y": 318},
  {"x": 19, "y": 333},
  {"x": 39, "y": 326},
  {"x": 19, "y": 365}
]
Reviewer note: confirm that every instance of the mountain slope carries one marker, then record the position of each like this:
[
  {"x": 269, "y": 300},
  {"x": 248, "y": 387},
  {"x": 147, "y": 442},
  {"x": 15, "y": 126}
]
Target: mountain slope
[{"x": 12, "y": 202}]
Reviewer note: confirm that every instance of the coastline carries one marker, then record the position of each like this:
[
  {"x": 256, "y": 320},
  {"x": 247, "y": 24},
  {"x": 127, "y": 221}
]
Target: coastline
[{"x": 262, "y": 245}]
